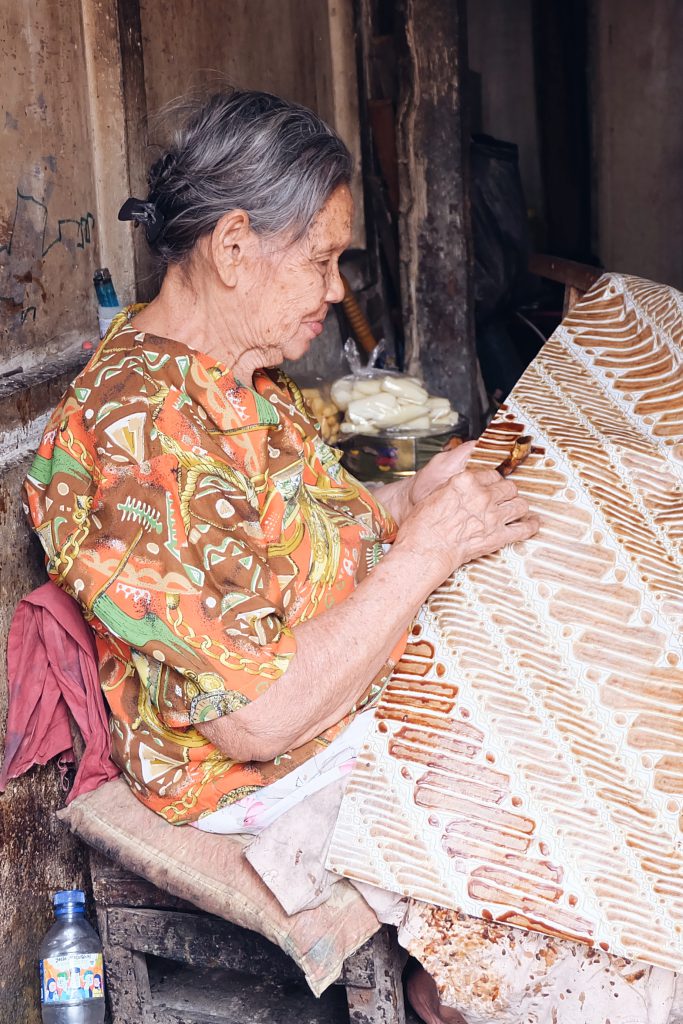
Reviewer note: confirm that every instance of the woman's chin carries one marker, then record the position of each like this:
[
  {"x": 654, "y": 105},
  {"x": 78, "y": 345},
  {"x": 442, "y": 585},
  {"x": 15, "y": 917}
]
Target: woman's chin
[{"x": 296, "y": 348}]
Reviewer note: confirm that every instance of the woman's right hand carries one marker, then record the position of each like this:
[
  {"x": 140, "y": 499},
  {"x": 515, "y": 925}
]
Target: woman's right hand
[{"x": 473, "y": 514}]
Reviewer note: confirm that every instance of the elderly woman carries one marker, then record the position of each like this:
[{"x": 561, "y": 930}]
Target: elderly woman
[{"x": 233, "y": 573}]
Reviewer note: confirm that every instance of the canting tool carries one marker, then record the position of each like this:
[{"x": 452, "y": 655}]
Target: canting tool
[{"x": 520, "y": 449}]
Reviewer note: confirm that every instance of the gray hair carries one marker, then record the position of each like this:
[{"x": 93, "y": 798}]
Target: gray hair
[{"x": 277, "y": 161}]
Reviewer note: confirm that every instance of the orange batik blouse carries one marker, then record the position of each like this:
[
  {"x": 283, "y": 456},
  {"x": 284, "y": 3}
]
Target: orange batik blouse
[{"x": 196, "y": 520}]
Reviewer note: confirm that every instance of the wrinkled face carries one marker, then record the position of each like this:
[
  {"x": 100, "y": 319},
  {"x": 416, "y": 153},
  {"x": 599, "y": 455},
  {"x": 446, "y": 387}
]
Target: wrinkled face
[{"x": 286, "y": 289}]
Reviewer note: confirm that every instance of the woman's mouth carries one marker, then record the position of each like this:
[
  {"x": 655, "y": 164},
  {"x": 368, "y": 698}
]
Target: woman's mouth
[{"x": 314, "y": 326}]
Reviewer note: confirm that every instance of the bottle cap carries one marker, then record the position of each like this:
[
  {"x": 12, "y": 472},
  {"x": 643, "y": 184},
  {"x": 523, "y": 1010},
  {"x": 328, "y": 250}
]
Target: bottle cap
[
  {"x": 101, "y": 274},
  {"x": 73, "y": 897}
]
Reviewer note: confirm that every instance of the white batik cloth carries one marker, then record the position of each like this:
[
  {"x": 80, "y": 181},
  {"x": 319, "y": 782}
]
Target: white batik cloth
[
  {"x": 253, "y": 813},
  {"x": 491, "y": 973}
]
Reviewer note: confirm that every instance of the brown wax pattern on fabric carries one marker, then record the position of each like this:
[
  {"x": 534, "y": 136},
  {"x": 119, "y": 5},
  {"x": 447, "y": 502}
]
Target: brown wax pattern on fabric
[{"x": 545, "y": 789}]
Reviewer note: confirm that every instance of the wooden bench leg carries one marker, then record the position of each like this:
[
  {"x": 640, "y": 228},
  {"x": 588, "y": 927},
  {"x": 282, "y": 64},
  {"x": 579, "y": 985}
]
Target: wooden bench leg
[
  {"x": 126, "y": 976},
  {"x": 377, "y": 996}
]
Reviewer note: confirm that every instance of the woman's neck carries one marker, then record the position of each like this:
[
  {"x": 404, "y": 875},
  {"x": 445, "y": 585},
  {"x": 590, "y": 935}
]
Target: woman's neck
[{"x": 191, "y": 314}]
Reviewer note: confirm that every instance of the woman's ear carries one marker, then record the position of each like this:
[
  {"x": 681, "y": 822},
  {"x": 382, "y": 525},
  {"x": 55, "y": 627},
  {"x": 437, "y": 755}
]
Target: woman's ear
[{"x": 228, "y": 240}]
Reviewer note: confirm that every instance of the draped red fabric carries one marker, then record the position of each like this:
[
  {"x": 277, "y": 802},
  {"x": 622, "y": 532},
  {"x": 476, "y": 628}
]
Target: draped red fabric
[{"x": 53, "y": 670}]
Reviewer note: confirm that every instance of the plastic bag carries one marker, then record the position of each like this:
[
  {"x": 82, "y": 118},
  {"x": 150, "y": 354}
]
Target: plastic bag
[{"x": 381, "y": 401}]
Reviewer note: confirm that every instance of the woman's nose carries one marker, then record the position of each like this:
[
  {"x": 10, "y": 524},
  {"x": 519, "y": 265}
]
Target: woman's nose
[{"x": 335, "y": 285}]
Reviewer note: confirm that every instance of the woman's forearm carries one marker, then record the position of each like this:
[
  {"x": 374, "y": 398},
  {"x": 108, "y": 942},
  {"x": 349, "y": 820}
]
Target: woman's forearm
[
  {"x": 338, "y": 655},
  {"x": 342, "y": 650}
]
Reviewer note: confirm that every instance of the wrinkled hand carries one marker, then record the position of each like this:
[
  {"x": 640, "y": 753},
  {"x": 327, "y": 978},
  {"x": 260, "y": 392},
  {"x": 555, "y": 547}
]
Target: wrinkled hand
[
  {"x": 470, "y": 515},
  {"x": 438, "y": 471}
]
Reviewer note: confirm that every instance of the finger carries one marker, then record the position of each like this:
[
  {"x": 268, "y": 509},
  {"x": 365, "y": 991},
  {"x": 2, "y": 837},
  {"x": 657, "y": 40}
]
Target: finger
[
  {"x": 490, "y": 477},
  {"x": 513, "y": 510},
  {"x": 460, "y": 456},
  {"x": 505, "y": 491},
  {"x": 453, "y": 460},
  {"x": 523, "y": 529}
]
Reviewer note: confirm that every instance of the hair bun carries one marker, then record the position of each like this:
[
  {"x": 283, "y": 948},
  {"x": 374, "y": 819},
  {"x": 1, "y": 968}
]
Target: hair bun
[{"x": 160, "y": 172}]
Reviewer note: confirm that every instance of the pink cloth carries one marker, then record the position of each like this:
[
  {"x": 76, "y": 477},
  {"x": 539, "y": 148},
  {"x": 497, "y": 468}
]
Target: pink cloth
[{"x": 52, "y": 670}]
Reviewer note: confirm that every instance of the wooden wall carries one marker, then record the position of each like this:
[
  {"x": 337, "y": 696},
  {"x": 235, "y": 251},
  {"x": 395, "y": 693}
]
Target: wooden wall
[
  {"x": 302, "y": 50},
  {"x": 636, "y": 98},
  {"x": 76, "y": 79},
  {"x": 47, "y": 195}
]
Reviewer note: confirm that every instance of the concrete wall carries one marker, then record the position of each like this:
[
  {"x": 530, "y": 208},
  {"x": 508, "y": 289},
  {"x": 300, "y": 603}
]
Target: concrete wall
[{"x": 637, "y": 97}]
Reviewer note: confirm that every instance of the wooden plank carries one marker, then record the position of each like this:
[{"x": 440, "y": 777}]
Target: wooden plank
[
  {"x": 198, "y": 939},
  {"x": 108, "y": 117},
  {"x": 114, "y": 886},
  {"x": 127, "y": 978},
  {"x": 434, "y": 227},
  {"x": 190, "y": 996},
  {"x": 568, "y": 272},
  {"x": 383, "y": 1002},
  {"x": 336, "y": 87},
  {"x": 130, "y": 891}
]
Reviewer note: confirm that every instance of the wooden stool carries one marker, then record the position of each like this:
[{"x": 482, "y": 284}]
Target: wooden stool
[{"x": 137, "y": 920}]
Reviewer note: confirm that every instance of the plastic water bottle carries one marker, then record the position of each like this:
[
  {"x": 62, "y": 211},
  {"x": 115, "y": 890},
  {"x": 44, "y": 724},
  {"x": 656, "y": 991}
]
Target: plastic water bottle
[
  {"x": 71, "y": 969},
  {"x": 107, "y": 302}
]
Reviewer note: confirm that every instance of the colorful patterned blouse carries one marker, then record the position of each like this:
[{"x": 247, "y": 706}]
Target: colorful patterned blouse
[{"x": 196, "y": 520}]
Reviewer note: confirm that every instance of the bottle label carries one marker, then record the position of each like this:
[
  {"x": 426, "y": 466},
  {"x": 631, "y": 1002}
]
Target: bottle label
[
  {"x": 105, "y": 316},
  {"x": 71, "y": 978}
]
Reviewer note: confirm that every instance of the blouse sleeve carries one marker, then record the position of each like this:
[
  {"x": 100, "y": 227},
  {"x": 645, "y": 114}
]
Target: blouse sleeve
[
  {"x": 384, "y": 522},
  {"x": 162, "y": 546}
]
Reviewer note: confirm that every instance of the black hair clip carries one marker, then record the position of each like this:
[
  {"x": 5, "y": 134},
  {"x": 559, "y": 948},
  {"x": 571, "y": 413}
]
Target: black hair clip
[{"x": 144, "y": 212}]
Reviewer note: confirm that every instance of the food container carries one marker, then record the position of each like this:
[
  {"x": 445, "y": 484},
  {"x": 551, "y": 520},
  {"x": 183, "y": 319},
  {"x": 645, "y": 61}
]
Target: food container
[
  {"x": 316, "y": 395},
  {"x": 394, "y": 455}
]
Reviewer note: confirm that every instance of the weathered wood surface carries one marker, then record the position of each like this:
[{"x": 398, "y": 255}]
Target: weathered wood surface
[
  {"x": 138, "y": 920},
  {"x": 132, "y": 60},
  {"x": 114, "y": 886},
  {"x": 198, "y": 939},
  {"x": 434, "y": 226},
  {"x": 568, "y": 272},
  {"x": 127, "y": 977},
  {"x": 383, "y": 1002},
  {"x": 48, "y": 213},
  {"x": 37, "y": 856},
  {"x": 189, "y": 996}
]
